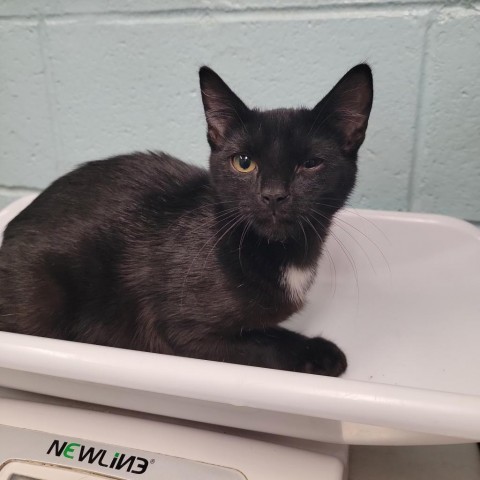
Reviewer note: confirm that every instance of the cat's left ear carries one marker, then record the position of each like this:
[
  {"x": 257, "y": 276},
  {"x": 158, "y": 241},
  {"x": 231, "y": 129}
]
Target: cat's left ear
[
  {"x": 223, "y": 109},
  {"x": 347, "y": 106}
]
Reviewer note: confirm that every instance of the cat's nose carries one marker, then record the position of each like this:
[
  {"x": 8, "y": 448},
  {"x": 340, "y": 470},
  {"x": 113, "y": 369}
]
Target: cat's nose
[{"x": 274, "y": 198}]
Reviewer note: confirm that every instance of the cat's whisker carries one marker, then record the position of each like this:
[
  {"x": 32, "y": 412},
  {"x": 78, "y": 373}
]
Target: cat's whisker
[
  {"x": 347, "y": 253},
  {"x": 354, "y": 211},
  {"x": 223, "y": 217},
  {"x": 322, "y": 242},
  {"x": 342, "y": 245},
  {"x": 349, "y": 257},
  {"x": 316, "y": 212},
  {"x": 236, "y": 222},
  {"x": 245, "y": 231},
  {"x": 332, "y": 263},
  {"x": 304, "y": 236},
  {"x": 367, "y": 220},
  {"x": 224, "y": 213},
  {"x": 207, "y": 206},
  {"x": 380, "y": 251}
]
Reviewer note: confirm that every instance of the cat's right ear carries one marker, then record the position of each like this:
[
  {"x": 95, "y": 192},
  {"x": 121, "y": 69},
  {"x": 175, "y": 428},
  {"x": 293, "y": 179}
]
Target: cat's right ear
[
  {"x": 223, "y": 109},
  {"x": 346, "y": 108}
]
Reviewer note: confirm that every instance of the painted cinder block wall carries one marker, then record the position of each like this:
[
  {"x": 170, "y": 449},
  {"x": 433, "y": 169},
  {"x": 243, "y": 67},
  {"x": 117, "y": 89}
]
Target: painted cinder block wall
[{"x": 81, "y": 80}]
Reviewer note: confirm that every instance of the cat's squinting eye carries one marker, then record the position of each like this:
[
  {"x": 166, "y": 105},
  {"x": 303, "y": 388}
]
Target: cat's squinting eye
[
  {"x": 243, "y": 163},
  {"x": 312, "y": 163}
]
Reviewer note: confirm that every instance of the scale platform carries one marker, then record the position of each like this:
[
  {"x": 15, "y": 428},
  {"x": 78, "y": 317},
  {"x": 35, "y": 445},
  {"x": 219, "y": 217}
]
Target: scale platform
[{"x": 398, "y": 292}]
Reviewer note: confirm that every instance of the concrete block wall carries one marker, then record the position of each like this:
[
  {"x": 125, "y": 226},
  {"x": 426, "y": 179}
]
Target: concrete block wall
[{"x": 81, "y": 80}]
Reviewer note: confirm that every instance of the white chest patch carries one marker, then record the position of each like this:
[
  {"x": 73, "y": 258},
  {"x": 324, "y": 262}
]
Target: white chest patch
[{"x": 297, "y": 281}]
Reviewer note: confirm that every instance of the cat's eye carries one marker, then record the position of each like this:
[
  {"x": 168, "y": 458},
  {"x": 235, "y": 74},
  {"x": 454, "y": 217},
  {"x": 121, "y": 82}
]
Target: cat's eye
[
  {"x": 312, "y": 163},
  {"x": 243, "y": 163}
]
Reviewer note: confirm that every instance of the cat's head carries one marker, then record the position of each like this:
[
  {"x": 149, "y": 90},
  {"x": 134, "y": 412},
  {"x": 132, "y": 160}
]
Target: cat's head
[{"x": 282, "y": 169}]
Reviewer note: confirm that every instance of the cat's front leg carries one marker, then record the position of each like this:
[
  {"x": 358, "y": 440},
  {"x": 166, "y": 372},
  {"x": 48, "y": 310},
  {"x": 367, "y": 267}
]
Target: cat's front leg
[
  {"x": 286, "y": 350},
  {"x": 322, "y": 357},
  {"x": 275, "y": 348}
]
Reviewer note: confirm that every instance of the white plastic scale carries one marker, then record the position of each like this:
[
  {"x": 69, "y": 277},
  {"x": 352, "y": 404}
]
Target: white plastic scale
[{"x": 399, "y": 292}]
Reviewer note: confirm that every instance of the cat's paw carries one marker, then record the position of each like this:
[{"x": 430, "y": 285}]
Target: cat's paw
[{"x": 322, "y": 357}]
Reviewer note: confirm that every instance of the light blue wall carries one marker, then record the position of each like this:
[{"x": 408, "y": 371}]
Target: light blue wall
[{"x": 81, "y": 80}]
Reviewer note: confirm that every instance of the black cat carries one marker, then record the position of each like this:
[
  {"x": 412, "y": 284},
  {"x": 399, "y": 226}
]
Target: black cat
[{"x": 145, "y": 252}]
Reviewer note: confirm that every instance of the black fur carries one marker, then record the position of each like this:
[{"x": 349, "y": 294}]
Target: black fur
[{"x": 145, "y": 252}]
